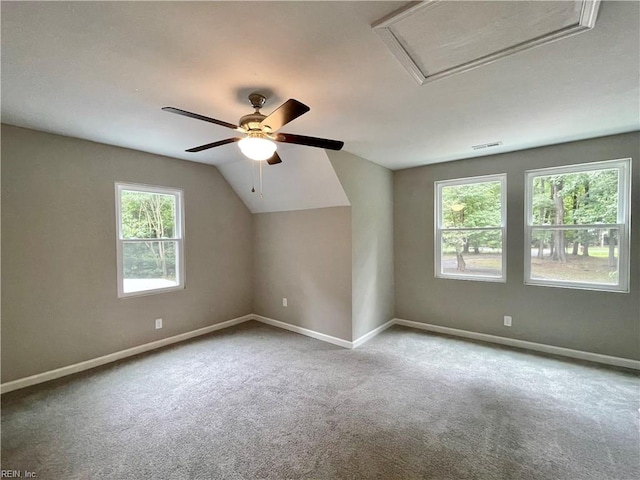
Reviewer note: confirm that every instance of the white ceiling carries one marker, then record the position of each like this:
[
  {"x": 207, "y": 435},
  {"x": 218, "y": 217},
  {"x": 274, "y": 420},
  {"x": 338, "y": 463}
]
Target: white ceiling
[{"x": 102, "y": 71}]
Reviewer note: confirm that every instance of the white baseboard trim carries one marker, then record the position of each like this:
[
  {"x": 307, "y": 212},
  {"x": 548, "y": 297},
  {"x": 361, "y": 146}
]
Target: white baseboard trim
[
  {"x": 322, "y": 336},
  {"x": 368, "y": 336},
  {"x": 112, "y": 357},
  {"x": 304, "y": 331},
  {"x": 512, "y": 342}
]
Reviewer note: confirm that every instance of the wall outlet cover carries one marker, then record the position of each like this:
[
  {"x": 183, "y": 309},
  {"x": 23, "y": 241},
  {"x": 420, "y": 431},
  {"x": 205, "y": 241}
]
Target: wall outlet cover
[{"x": 158, "y": 323}]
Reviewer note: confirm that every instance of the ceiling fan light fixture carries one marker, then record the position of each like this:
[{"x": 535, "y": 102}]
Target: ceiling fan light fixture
[{"x": 257, "y": 148}]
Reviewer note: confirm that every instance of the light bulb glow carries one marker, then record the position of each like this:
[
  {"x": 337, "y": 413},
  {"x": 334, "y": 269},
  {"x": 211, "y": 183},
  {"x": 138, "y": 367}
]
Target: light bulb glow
[{"x": 257, "y": 148}]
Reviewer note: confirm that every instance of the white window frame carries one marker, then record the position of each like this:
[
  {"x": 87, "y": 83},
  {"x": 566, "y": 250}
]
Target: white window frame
[
  {"x": 623, "y": 224},
  {"x": 439, "y": 229},
  {"x": 178, "y": 236}
]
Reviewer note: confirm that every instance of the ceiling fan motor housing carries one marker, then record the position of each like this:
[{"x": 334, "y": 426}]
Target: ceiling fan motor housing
[{"x": 251, "y": 122}]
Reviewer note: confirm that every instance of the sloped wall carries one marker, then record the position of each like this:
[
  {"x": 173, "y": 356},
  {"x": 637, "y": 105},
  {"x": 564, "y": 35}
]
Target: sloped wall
[
  {"x": 304, "y": 180},
  {"x": 369, "y": 188},
  {"x": 59, "y": 297}
]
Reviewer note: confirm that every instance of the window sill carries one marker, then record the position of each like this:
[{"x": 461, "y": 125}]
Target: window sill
[{"x": 145, "y": 293}]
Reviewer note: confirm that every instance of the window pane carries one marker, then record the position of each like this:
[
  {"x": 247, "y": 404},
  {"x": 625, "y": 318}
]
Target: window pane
[
  {"x": 588, "y": 255},
  {"x": 148, "y": 215},
  {"x": 149, "y": 265},
  {"x": 471, "y": 205},
  {"x": 581, "y": 198},
  {"x": 473, "y": 253}
]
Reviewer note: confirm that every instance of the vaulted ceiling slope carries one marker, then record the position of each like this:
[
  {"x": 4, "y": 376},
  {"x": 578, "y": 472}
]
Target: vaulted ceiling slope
[
  {"x": 102, "y": 70},
  {"x": 304, "y": 180}
]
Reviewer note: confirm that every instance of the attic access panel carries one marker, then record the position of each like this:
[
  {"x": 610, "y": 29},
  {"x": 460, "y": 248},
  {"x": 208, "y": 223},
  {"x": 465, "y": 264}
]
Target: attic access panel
[{"x": 435, "y": 39}]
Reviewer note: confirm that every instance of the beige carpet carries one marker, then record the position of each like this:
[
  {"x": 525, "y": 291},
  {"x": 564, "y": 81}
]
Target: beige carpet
[{"x": 254, "y": 401}]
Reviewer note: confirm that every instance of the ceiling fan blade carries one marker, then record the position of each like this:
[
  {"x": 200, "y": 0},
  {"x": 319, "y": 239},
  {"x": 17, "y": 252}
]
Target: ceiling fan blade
[
  {"x": 309, "y": 141},
  {"x": 201, "y": 117},
  {"x": 275, "y": 159},
  {"x": 285, "y": 113},
  {"x": 214, "y": 144}
]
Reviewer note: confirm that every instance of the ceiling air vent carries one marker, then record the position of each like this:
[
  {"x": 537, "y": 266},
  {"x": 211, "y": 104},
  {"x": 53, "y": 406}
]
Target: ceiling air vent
[{"x": 482, "y": 146}]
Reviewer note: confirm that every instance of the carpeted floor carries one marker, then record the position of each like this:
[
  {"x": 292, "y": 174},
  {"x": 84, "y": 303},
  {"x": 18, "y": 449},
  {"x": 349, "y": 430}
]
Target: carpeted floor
[{"x": 254, "y": 401}]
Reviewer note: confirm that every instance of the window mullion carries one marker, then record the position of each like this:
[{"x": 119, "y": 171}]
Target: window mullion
[
  {"x": 579, "y": 226},
  {"x": 470, "y": 229},
  {"x": 164, "y": 239}
]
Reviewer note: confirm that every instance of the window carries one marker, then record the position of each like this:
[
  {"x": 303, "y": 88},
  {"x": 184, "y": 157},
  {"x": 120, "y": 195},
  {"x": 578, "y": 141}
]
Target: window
[
  {"x": 578, "y": 226},
  {"x": 150, "y": 226},
  {"x": 470, "y": 228}
]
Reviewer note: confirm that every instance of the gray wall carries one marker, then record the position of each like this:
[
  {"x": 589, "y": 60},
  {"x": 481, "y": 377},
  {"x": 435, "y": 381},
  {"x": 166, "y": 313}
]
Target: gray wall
[
  {"x": 335, "y": 265},
  {"x": 370, "y": 190},
  {"x": 305, "y": 256},
  {"x": 59, "y": 298},
  {"x": 601, "y": 322}
]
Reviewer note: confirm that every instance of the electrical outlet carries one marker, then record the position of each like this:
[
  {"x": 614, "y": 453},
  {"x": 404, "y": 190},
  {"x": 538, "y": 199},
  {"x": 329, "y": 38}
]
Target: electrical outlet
[
  {"x": 158, "y": 323},
  {"x": 284, "y": 302},
  {"x": 507, "y": 321}
]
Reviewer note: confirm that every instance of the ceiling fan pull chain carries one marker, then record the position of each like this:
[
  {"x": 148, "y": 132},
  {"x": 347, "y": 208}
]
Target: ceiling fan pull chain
[
  {"x": 261, "y": 197},
  {"x": 253, "y": 182}
]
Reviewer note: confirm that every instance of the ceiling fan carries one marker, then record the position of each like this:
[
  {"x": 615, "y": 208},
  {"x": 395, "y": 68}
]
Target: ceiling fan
[{"x": 261, "y": 131}]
